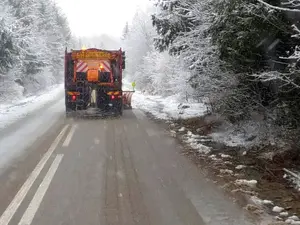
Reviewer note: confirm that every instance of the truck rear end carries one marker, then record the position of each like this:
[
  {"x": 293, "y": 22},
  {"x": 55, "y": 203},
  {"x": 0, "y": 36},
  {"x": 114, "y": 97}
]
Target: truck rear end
[{"x": 93, "y": 81}]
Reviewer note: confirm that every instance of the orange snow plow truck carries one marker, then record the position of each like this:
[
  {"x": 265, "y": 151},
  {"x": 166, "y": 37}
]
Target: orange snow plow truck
[{"x": 93, "y": 82}]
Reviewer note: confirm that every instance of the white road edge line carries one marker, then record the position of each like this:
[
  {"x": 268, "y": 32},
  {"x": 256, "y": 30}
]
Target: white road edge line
[
  {"x": 19, "y": 197},
  {"x": 69, "y": 136},
  {"x": 39, "y": 195}
]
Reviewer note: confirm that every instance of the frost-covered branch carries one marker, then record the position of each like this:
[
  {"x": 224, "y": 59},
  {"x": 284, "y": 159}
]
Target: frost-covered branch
[
  {"x": 276, "y": 76},
  {"x": 278, "y": 8},
  {"x": 291, "y": 3}
]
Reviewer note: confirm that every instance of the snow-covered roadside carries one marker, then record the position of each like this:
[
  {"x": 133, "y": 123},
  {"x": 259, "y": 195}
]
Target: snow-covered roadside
[
  {"x": 167, "y": 107},
  {"x": 13, "y": 111}
]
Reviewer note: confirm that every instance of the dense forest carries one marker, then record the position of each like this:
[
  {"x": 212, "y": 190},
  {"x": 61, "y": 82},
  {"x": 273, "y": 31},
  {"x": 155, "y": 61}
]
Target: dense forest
[
  {"x": 241, "y": 55},
  {"x": 33, "y": 36}
]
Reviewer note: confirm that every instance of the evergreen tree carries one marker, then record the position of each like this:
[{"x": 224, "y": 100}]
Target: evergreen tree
[
  {"x": 172, "y": 20},
  {"x": 250, "y": 36}
]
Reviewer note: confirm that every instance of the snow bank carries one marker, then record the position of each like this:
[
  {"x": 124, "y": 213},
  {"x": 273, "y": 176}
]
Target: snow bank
[
  {"x": 167, "y": 107},
  {"x": 229, "y": 139},
  {"x": 277, "y": 209},
  {"x": 293, "y": 177},
  {"x": 11, "y": 112},
  {"x": 225, "y": 156},
  {"x": 249, "y": 183},
  {"x": 194, "y": 141},
  {"x": 246, "y": 134},
  {"x": 240, "y": 167},
  {"x": 259, "y": 201},
  {"x": 226, "y": 171}
]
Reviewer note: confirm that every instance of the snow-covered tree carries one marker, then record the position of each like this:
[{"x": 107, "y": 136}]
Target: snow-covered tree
[
  {"x": 7, "y": 48},
  {"x": 251, "y": 37},
  {"x": 182, "y": 26},
  {"x": 257, "y": 40},
  {"x": 163, "y": 74},
  {"x": 138, "y": 42},
  {"x": 154, "y": 71},
  {"x": 172, "y": 20},
  {"x": 34, "y": 34}
]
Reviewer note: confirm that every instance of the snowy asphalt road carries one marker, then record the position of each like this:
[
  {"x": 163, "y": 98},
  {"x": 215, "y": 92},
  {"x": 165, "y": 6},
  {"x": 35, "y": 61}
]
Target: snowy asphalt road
[
  {"x": 107, "y": 171},
  {"x": 22, "y": 134}
]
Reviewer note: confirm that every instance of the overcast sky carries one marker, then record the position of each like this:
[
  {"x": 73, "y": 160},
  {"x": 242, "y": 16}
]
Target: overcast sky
[{"x": 93, "y": 17}]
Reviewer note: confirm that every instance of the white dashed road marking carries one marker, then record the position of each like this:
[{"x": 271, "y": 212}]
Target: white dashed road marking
[
  {"x": 16, "y": 202},
  {"x": 39, "y": 195}
]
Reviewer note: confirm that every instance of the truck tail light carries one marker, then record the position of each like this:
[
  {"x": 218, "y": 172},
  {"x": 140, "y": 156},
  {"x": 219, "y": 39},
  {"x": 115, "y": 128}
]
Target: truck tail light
[
  {"x": 113, "y": 97},
  {"x": 73, "y": 97}
]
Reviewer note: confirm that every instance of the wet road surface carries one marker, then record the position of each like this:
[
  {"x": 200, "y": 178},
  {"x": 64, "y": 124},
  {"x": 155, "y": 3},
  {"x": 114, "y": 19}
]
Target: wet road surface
[{"x": 110, "y": 171}]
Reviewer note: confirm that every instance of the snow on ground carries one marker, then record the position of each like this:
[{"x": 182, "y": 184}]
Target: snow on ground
[
  {"x": 224, "y": 156},
  {"x": 229, "y": 139},
  {"x": 277, "y": 209},
  {"x": 167, "y": 107},
  {"x": 171, "y": 107},
  {"x": 267, "y": 202},
  {"x": 293, "y": 177},
  {"x": 240, "y": 167},
  {"x": 193, "y": 141},
  {"x": 246, "y": 134},
  {"x": 226, "y": 171},
  {"x": 249, "y": 183},
  {"x": 13, "y": 111},
  {"x": 260, "y": 202}
]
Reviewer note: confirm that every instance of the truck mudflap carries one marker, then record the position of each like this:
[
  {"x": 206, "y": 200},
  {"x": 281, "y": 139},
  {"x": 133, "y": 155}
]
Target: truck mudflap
[{"x": 127, "y": 96}]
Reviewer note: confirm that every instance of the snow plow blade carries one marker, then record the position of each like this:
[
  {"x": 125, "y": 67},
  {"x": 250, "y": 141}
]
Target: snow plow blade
[{"x": 127, "y": 95}]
